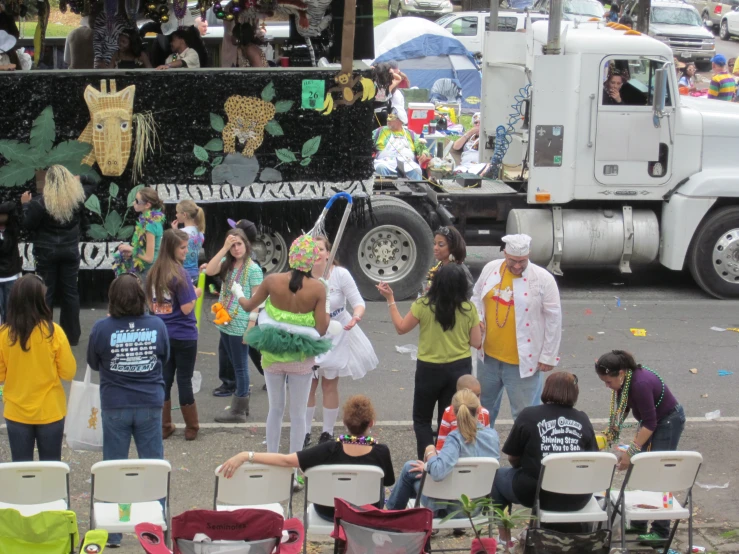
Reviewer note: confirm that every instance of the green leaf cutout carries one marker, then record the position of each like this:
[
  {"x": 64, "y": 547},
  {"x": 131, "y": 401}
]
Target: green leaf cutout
[
  {"x": 283, "y": 106},
  {"x": 217, "y": 161},
  {"x": 20, "y": 152},
  {"x": 310, "y": 146},
  {"x": 269, "y": 92},
  {"x": 113, "y": 190},
  {"x": 97, "y": 232},
  {"x": 199, "y": 171},
  {"x": 274, "y": 128},
  {"x": 125, "y": 233},
  {"x": 214, "y": 145},
  {"x": 43, "y": 131},
  {"x": 113, "y": 222},
  {"x": 15, "y": 174},
  {"x": 132, "y": 195},
  {"x": 216, "y": 122},
  {"x": 285, "y": 155},
  {"x": 69, "y": 151},
  {"x": 305, "y": 161},
  {"x": 93, "y": 204},
  {"x": 200, "y": 153}
]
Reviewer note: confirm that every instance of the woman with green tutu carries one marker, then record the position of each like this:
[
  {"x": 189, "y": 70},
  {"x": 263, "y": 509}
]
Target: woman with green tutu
[{"x": 294, "y": 319}]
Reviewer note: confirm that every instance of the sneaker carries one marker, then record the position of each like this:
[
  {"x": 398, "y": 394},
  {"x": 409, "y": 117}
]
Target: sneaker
[
  {"x": 306, "y": 442},
  {"x": 325, "y": 437},
  {"x": 223, "y": 391},
  {"x": 652, "y": 538},
  {"x": 459, "y": 532},
  {"x": 502, "y": 546}
]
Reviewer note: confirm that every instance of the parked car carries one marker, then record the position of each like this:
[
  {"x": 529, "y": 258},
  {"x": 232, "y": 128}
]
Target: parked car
[
  {"x": 729, "y": 26},
  {"x": 574, "y": 10},
  {"x": 679, "y": 25},
  {"x": 423, "y": 8},
  {"x": 470, "y": 27},
  {"x": 713, "y": 12}
]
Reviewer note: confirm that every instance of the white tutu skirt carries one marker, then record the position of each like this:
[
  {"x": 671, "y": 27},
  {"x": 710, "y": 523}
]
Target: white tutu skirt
[{"x": 351, "y": 356}]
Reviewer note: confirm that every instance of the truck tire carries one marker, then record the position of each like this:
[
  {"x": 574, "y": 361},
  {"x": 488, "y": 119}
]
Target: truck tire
[
  {"x": 397, "y": 248},
  {"x": 271, "y": 248},
  {"x": 714, "y": 254}
]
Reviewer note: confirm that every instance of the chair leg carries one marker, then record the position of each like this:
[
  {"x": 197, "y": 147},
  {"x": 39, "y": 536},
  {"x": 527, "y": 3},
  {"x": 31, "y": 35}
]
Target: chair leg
[
  {"x": 623, "y": 525},
  {"x": 690, "y": 521}
]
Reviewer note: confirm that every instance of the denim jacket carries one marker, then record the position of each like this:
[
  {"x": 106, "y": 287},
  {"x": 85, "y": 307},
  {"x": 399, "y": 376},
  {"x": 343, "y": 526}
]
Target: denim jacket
[{"x": 487, "y": 445}]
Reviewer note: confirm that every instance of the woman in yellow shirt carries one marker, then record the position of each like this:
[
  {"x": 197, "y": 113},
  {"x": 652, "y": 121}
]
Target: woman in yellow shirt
[
  {"x": 34, "y": 358},
  {"x": 449, "y": 326}
]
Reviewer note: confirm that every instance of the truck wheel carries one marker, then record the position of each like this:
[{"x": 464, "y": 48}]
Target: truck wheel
[
  {"x": 714, "y": 254},
  {"x": 398, "y": 249},
  {"x": 271, "y": 249}
]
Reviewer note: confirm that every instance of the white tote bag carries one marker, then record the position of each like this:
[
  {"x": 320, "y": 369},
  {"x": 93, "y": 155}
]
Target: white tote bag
[{"x": 84, "y": 423}]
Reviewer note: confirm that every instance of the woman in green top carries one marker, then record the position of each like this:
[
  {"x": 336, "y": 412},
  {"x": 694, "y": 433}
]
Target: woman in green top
[
  {"x": 449, "y": 326},
  {"x": 234, "y": 265},
  {"x": 139, "y": 256}
]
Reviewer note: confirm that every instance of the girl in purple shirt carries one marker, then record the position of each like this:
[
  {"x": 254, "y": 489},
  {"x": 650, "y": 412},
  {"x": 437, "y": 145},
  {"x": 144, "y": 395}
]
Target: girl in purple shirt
[{"x": 661, "y": 418}]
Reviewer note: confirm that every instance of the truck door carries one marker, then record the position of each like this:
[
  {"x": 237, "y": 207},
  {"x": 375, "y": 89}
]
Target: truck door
[{"x": 629, "y": 149}]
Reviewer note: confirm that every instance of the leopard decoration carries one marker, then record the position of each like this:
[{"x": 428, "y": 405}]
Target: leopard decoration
[{"x": 247, "y": 117}]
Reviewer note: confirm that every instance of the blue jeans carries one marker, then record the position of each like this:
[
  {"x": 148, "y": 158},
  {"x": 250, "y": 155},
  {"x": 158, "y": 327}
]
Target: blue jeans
[
  {"x": 238, "y": 354},
  {"x": 413, "y": 174},
  {"x": 4, "y": 295},
  {"x": 503, "y": 494},
  {"x": 494, "y": 376},
  {"x": 145, "y": 425},
  {"x": 47, "y": 438},
  {"x": 406, "y": 487}
]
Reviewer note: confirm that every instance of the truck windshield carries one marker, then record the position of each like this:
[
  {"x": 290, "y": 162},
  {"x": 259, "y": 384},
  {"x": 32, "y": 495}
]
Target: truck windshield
[
  {"x": 675, "y": 16},
  {"x": 584, "y": 7}
]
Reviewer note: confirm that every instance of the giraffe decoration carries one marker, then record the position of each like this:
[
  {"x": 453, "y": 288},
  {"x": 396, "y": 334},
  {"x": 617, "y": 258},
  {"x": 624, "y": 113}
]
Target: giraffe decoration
[{"x": 110, "y": 127}]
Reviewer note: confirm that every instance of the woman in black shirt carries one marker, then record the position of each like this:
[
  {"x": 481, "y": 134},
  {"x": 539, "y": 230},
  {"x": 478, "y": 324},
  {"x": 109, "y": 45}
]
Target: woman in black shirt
[
  {"x": 357, "y": 448},
  {"x": 554, "y": 426}
]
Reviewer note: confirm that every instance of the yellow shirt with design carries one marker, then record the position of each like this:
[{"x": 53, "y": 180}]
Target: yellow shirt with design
[{"x": 500, "y": 342}]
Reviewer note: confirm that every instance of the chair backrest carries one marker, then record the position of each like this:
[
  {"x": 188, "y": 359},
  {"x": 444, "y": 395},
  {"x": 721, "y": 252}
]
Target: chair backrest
[
  {"x": 664, "y": 471},
  {"x": 254, "y": 484},
  {"x": 127, "y": 481},
  {"x": 52, "y": 532},
  {"x": 33, "y": 482},
  {"x": 471, "y": 476},
  {"x": 360, "y": 540},
  {"x": 578, "y": 472},
  {"x": 358, "y": 484}
]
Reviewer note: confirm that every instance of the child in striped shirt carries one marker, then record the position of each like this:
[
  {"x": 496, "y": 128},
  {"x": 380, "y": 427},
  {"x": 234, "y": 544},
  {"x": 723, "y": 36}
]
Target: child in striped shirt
[
  {"x": 449, "y": 420},
  {"x": 723, "y": 85}
]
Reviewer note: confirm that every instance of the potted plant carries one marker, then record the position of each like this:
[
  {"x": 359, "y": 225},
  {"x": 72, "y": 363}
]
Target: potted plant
[{"x": 485, "y": 507}]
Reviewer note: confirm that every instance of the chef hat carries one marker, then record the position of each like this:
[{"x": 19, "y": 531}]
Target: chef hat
[{"x": 517, "y": 245}]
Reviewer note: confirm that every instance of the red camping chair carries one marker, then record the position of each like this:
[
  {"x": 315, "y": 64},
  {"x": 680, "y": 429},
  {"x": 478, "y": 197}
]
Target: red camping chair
[
  {"x": 250, "y": 531},
  {"x": 369, "y": 530}
]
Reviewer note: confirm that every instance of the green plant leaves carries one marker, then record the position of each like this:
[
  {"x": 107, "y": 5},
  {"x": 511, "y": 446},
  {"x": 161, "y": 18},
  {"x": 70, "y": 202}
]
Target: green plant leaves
[
  {"x": 268, "y": 93},
  {"x": 274, "y": 128},
  {"x": 132, "y": 195},
  {"x": 200, "y": 153},
  {"x": 43, "y": 131},
  {"x": 15, "y": 174},
  {"x": 199, "y": 171},
  {"x": 113, "y": 222},
  {"x": 93, "y": 204},
  {"x": 97, "y": 232},
  {"x": 217, "y": 161},
  {"x": 283, "y": 106},
  {"x": 310, "y": 146},
  {"x": 305, "y": 161},
  {"x": 216, "y": 122},
  {"x": 113, "y": 190},
  {"x": 285, "y": 155},
  {"x": 125, "y": 233},
  {"x": 67, "y": 152},
  {"x": 214, "y": 145},
  {"x": 15, "y": 151}
]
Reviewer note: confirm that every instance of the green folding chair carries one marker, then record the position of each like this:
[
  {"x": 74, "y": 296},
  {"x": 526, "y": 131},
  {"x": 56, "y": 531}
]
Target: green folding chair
[{"x": 52, "y": 532}]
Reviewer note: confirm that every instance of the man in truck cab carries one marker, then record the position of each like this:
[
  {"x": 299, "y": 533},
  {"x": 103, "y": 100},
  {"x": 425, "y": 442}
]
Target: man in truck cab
[{"x": 398, "y": 148}]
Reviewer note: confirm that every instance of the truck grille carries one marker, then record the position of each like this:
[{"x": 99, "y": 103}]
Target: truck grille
[{"x": 686, "y": 43}]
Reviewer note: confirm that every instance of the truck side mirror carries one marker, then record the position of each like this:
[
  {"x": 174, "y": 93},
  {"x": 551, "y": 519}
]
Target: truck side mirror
[{"x": 660, "y": 93}]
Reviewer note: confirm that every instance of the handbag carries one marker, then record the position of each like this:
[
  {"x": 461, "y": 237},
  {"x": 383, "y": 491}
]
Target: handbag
[{"x": 83, "y": 425}]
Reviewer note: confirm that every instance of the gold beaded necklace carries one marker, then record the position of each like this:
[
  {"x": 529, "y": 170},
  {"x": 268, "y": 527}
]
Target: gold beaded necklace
[{"x": 497, "y": 303}]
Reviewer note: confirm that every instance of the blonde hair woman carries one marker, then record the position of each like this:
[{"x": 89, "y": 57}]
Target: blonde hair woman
[
  {"x": 53, "y": 220},
  {"x": 470, "y": 439}
]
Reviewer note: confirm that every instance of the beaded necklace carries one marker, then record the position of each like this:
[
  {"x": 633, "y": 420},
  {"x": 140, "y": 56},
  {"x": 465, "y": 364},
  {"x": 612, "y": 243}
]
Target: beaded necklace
[
  {"x": 497, "y": 303},
  {"x": 618, "y": 415},
  {"x": 235, "y": 277},
  {"x": 352, "y": 439}
]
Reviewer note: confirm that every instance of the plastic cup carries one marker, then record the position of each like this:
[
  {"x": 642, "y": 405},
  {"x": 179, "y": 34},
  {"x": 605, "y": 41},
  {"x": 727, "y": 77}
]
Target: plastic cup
[
  {"x": 124, "y": 512},
  {"x": 285, "y": 61},
  {"x": 432, "y": 127}
]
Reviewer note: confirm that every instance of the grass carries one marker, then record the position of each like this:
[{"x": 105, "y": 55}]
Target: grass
[
  {"x": 54, "y": 30},
  {"x": 379, "y": 8}
]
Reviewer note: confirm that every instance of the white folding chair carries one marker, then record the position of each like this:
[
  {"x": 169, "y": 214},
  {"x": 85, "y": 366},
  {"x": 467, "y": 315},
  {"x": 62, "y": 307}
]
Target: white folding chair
[
  {"x": 471, "y": 476},
  {"x": 576, "y": 473},
  {"x": 358, "y": 484},
  {"x": 650, "y": 475},
  {"x": 255, "y": 486},
  {"x": 34, "y": 487},
  {"x": 141, "y": 483}
]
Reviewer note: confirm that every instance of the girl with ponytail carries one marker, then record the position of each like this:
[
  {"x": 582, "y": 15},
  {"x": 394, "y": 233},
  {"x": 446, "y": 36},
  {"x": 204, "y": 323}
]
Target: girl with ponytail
[
  {"x": 661, "y": 419},
  {"x": 469, "y": 440},
  {"x": 192, "y": 217}
]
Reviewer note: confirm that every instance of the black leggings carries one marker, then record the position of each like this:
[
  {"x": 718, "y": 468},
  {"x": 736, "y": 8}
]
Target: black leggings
[{"x": 435, "y": 383}]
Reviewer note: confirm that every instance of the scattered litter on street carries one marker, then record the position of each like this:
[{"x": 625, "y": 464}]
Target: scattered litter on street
[
  {"x": 724, "y": 373},
  {"x": 207, "y": 353},
  {"x": 735, "y": 329},
  {"x": 588, "y": 312},
  {"x": 197, "y": 382},
  {"x": 411, "y": 349},
  {"x": 638, "y": 332},
  {"x": 618, "y": 301},
  {"x": 713, "y": 415},
  {"x": 719, "y": 329},
  {"x": 704, "y": 396},
  {"x": 711, "y": 487},
  {"x": 693, "y": 371},
  {"x": 601, "y": 332},
  {"x": 591, "y": 338}
]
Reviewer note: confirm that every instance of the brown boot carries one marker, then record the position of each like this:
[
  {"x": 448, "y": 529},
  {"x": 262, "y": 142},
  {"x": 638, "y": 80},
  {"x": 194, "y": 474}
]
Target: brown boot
[
  {"x": 190, "y": 414},
  {"x": 167, "y": 425}
]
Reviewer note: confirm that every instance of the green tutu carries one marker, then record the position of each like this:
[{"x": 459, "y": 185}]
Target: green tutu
[{"x": 278, "y": 345}]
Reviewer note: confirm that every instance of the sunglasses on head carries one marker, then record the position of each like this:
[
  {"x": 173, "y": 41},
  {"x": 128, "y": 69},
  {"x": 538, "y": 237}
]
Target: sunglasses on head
[{"x": 443, "y": 231}]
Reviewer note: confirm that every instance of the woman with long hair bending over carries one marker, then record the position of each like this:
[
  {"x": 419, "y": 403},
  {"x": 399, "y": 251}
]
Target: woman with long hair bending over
[
  {"x": 53, "y": 220},
  {"x": 171, "y": 296},
  {"x": 289, "y": 336},
  {"x": 449, "y": 326},
  {"x": 234, "y": 265},
  {"x": 35, "y": 357},
  {"x": 351, "y": 355}
]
